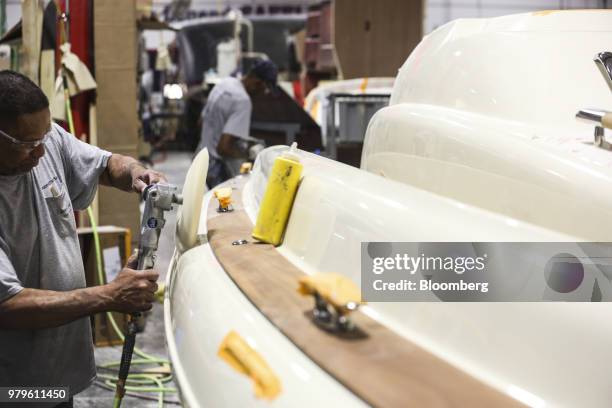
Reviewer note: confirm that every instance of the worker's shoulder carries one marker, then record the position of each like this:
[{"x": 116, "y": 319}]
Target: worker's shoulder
[
  {"x": 229, "y": 83},
  {"x": 60, "y": 143},
  {"x": 57, "y": 131},
  {"x": 232, "y": 88},
  {"x": 57, "y": 136},
  {"x": 231, "y": 103}
]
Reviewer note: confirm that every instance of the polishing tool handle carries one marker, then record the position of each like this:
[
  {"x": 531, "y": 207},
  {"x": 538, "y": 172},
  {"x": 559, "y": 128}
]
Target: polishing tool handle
[
  {"x": 600, "y": 117},
  {"x": 126, "y": 360},
  {"x": 606, "y": 121},
  {"x": 128, "y": 348}
]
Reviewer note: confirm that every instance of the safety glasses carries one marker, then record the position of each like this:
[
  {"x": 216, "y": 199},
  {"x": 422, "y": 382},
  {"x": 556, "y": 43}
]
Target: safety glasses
[{"x": 31, "y": 145}]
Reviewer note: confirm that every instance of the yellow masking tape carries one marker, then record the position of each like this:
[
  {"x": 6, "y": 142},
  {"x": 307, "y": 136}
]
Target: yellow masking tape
[
  {"x": 336, "y": 289},
  {"x": 235, "y": 351},
  {"x": 364, "y": 84},
  {"x": 543, "y": 13}
]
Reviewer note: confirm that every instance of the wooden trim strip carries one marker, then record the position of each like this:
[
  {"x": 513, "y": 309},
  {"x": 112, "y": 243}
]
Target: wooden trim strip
[{"x": 381, "y": 367}]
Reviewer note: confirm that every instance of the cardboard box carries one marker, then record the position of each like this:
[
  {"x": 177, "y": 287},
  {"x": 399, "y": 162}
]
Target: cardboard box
[
  {"x": 115, "y": 12},
  {"x": 325, "y": 24},
  {"x": 115, "y": 52},
  {"x": 386, "y": 30},
  {"x": 116, "y": 208},
  {"x": 121, "y": 46},
  {"x": 144, "y": 8},
  {"x": 115, "y": 247}
]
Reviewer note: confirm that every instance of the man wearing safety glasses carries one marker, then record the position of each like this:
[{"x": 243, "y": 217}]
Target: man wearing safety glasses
[{"x": 45, "y": 175}]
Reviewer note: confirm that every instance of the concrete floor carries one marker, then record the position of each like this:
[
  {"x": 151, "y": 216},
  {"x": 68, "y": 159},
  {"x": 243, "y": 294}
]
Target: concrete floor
[{"x": 152, "y": 341}]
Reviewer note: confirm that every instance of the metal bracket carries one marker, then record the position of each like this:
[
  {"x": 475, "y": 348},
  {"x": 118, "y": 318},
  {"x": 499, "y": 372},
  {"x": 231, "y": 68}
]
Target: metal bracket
[
  {"x": 221, "y": 209},
  {"x": 600, "y": 138},
  {"x": 330, "y": 318},
  {"x": 596, "y": 117},
  {"x": 600, "y": 118}
]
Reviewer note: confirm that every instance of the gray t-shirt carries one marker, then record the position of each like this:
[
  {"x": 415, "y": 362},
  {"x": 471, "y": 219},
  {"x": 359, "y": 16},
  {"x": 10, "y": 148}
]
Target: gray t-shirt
[
  {"x": 228, "y": 110},
  {"x": 39, "y": 249}
]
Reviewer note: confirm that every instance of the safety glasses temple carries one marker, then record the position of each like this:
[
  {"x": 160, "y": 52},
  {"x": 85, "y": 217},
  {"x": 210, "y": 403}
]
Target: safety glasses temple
[{"x": 34, "y": 143}]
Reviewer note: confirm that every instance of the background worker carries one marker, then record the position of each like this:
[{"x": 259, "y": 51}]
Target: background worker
[
  {"x": 46, "y": 174},
  {"x": 226, "y": 120}
]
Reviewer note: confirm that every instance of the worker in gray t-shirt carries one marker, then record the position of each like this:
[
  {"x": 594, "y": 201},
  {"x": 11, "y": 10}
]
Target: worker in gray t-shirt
[
  {"x": 226, "y": 120},
  {"x": 45, "y": 175}
]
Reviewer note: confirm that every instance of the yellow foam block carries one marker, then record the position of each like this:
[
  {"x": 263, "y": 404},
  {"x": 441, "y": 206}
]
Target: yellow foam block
[
  {"x": 334, "y": 288},
  {"x": 278, "y": 199},
  {"x": 235, "y": 351},
  {"x": 364, "y": 85}
]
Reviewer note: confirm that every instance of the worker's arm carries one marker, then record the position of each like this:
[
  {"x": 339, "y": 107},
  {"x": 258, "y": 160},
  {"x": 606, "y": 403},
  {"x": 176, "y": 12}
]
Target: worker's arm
[
  {"x": 228, "y": 148},
  {"x": 128, "y": 174},
  {"x": 32, "y": 309}
]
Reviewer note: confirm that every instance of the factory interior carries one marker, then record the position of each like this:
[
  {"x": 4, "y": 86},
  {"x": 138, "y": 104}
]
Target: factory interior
[{"x": 305, "y": 203}]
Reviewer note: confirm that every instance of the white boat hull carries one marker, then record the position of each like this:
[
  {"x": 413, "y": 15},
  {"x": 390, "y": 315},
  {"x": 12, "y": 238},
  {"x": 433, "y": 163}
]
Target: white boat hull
[{"x": 464, "y": 157}]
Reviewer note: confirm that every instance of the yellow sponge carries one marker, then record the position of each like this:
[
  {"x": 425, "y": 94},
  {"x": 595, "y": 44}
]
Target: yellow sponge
[{"x": 334, "y": 288}]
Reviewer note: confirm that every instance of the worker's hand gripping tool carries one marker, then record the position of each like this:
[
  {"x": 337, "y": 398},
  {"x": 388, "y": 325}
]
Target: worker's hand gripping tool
[{"x": 158, "y": 198}]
